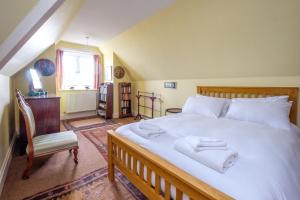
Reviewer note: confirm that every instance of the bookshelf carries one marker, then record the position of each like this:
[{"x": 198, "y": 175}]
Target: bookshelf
[
  {"x": 105, "y": 101},
  {"x": 125, "y": 100}
]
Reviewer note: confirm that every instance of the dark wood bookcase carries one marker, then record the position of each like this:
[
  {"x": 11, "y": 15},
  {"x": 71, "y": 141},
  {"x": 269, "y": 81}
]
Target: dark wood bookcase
[
  {"x": 105, "y": 101},
  {"x": 125, "y": 100}
]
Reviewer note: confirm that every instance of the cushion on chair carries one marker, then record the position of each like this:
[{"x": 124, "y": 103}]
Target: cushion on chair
[{"x": 54, "y": 142}]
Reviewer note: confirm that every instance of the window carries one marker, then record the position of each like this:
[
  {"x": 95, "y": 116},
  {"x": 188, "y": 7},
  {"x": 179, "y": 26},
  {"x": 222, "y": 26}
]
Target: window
[{"x": 78, "y": 70}]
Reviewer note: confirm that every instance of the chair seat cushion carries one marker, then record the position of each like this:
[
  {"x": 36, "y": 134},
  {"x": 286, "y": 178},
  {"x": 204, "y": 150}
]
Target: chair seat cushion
[{"x": 54, "y": 142}]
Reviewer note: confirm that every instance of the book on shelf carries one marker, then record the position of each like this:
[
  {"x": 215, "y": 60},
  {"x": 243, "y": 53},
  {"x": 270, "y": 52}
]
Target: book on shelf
[
  {"x": 125, "y": 100},
  {"x": 125, "y": 103},
  {"x": 126, "y": 89}
]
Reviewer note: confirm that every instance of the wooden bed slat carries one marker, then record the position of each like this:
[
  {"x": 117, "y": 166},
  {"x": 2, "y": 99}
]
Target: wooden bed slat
[
  {"x": 178, "y": 194},
  {"x": 142, "y": 171},
  {"x": 149, "y": 176},
  {"x": 157, "y": 183},
  {"x": 134, "y": 166},
  {"x": 167, "y": 190}
]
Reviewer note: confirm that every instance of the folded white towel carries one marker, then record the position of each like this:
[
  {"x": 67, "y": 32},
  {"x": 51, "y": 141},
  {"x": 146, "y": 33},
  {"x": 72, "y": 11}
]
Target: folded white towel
[
  {"x": 214, "y": 159},
  {"x": 146, "y": 133},
  {"x": 199, "y": 142},
  {"x": 148, "y": 126},
  {"x": 210, "y": 148}
]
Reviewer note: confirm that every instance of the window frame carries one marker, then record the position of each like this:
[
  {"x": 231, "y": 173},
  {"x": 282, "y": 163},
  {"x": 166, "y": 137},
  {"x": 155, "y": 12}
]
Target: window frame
[{"x": 77, "y": 53}]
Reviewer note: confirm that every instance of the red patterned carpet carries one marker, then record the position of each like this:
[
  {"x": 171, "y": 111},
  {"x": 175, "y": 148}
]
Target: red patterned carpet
[{"x": 90, "y": 185}]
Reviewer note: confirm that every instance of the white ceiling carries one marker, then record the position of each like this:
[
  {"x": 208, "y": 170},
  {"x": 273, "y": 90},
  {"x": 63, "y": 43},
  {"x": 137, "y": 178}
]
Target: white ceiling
[{"x": 101, "y": 20}]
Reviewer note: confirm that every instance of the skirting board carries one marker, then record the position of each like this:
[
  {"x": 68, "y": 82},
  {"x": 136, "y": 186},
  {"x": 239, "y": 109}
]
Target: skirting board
[
  {"x": 6, "y": 163},
  {"x": 115, "y": 115}
]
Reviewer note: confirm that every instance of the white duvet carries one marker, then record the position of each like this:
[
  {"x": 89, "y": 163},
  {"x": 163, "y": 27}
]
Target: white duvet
[{"x": 268, "y": 166}]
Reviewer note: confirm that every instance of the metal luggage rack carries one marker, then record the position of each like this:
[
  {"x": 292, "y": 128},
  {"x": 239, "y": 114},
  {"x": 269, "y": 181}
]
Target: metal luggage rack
[{"x": 147, "y": 96}]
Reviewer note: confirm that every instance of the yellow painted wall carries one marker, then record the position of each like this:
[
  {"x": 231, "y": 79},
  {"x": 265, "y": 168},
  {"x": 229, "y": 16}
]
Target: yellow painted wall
[
  {"x": 22, "y": 80},
  {"x": 6, "y": 117},
  {"x": 176, "y": 97},
  {"x": 126, "y": 78},
  {"x": 211, "y": 42},
  {"x": 214, "y": 39}
]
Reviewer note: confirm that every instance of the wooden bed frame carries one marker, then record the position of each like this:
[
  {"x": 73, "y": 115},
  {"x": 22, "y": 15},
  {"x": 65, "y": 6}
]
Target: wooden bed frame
[{"x": 125, "y": 154}]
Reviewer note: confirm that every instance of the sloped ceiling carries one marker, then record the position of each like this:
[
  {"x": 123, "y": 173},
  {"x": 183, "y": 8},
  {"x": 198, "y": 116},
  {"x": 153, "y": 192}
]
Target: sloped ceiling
[
  {"x": 9, "y": 20},
  {"x": 32, "y": 40},
  {"x": 213, "y": 39},
  {"x": 102, "y": 20}
]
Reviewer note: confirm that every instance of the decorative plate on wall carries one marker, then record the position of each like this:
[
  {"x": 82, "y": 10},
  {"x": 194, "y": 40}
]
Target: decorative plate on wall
[
  {"x": 119, "y": 72},
  {"x": 45, "y": 66}
]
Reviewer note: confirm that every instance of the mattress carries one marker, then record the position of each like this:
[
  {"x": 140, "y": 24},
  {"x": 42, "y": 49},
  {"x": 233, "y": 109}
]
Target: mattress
[{"x": 267, "y": 167}]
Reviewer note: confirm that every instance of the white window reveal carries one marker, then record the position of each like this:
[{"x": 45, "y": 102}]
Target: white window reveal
[{"x": 78, "y": 71}]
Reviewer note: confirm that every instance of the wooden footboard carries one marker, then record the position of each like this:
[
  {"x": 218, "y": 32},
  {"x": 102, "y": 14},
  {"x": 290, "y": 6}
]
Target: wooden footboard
[{"x": 133, "y": 160}]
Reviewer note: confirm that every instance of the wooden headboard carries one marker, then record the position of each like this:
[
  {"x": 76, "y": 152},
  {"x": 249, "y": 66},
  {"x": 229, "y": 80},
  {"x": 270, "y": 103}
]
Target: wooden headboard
[{"x": 252, "y": 92}]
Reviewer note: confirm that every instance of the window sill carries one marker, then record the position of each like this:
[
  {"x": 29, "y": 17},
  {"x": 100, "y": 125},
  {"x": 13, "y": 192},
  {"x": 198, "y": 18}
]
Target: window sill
[{"x": 77, "y": 90}]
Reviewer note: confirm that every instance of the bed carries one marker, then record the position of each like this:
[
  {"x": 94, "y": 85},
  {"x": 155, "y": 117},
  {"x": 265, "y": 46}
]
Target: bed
[{"x": 161, "y": 173}]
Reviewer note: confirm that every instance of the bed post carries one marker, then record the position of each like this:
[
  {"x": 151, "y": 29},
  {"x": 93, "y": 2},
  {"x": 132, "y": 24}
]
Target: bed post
[{"x": 111, "y": 166}]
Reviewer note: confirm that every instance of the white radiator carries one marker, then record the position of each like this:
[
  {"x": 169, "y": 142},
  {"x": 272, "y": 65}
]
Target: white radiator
[{"x": 79, "y": 102}]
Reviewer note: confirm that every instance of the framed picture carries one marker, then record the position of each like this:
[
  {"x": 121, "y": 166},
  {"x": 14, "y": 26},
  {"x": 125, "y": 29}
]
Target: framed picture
[
  {"x": 171, "y": 85},
  {"x": 108, "y": 73}
]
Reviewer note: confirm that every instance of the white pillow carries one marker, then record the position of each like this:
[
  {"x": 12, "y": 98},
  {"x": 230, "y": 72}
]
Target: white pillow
[
  {"x": 204, "y": 105},
  {"x": 274, "y": 114},
  {"x": 225, "y": 107},
  {"x": 264, "y": 99}
]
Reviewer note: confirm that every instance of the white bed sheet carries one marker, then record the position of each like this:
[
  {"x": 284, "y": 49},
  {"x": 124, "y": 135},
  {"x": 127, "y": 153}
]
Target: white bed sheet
[{"x": 268, "y": 166}]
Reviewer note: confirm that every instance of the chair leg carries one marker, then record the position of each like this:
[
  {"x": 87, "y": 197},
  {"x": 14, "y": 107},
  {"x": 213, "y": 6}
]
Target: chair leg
[
  {"x": 28, "y": 167},
  {"x": 70, "y": 151},
  {"x": 75, "y": 152}
]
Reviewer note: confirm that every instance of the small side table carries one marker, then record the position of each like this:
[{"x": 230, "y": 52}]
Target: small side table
[{"x": 173, "y": 110}]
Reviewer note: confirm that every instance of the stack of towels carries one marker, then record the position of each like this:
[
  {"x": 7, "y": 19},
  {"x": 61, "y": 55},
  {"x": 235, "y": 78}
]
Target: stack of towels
[
  {"x": 146, "y": 129},
  {"x": 214, "y": 153}
]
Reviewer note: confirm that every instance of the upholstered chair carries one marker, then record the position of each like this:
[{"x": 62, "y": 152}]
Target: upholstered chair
[{"x": 41, "y": 145}]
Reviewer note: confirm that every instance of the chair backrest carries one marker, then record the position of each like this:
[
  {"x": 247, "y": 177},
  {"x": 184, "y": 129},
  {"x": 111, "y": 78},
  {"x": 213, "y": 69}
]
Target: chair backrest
[{"x": 28, "y": 116}]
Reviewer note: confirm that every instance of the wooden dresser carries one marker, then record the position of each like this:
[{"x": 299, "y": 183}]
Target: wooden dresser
[{"x": 46, "y": 111}]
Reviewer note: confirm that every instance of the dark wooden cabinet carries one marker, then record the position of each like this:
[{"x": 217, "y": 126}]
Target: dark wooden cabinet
[{"x": 46, "y": 111}]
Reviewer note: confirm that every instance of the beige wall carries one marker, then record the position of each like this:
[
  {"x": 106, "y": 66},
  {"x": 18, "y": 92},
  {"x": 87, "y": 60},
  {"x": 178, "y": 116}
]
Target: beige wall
[
  {"x": 211, "y": 42},
  {"x": 6, "y": 117}
]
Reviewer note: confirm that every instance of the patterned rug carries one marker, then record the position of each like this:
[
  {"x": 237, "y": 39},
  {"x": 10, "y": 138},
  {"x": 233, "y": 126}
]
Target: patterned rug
[
  {"x": 85, "y": 123},
  {"x": 94, "y": 185}
]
